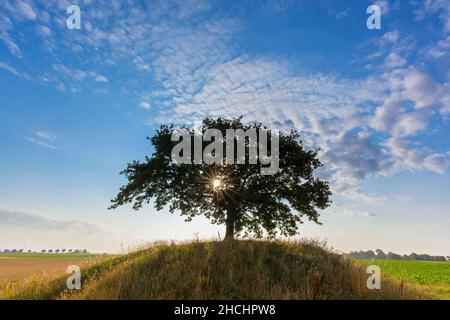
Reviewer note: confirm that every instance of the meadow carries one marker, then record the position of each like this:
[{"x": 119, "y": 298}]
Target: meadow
[{"x": 432, "y": 278}]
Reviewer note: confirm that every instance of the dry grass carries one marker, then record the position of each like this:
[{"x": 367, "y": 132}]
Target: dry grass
[{"x": 219, "y": 270}]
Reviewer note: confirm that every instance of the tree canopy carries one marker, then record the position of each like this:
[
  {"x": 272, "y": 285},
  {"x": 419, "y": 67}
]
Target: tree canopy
[{"x": 236, "y": 195}]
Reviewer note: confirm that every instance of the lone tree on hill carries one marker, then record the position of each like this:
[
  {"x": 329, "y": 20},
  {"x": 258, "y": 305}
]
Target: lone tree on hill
[{"x": 236, "y": 195}]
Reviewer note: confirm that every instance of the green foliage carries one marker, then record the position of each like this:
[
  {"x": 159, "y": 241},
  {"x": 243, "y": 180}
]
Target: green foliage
[{"x": 250, "y": 204}]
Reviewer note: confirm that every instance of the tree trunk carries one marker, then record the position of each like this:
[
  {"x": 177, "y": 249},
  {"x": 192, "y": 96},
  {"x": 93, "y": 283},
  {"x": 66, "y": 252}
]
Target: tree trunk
[
  {"x": 229, "y": 235},
  {"x": 231, "y": 218}
]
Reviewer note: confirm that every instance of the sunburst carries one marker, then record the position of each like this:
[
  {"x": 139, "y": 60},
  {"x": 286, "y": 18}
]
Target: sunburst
[{"x": 217, "y": 183}]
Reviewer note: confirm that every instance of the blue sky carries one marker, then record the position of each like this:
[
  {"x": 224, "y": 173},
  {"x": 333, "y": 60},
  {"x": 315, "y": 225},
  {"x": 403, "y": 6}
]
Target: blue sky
[{"x": 77, "y": 105}]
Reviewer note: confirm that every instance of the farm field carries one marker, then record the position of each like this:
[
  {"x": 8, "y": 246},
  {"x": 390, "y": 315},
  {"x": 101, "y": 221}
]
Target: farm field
[
  {"x": 432, "y": 278},
  {"x": 20, "y": 265}
]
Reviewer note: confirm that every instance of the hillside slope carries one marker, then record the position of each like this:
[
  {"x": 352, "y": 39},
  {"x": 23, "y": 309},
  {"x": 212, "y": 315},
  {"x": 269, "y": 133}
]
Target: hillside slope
[{"x": 217, "y": 270}]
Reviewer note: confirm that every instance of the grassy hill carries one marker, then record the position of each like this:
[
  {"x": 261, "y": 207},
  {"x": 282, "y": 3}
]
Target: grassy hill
[{"x": 216, "y": 270}]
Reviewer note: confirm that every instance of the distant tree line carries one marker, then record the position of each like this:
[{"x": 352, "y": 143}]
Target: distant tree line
[
  {"x": 45, "y": 251},
  {"x": 379, "y": 254}
]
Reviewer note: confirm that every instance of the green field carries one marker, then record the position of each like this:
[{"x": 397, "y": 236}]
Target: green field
[{"x": 430, "y": 277}]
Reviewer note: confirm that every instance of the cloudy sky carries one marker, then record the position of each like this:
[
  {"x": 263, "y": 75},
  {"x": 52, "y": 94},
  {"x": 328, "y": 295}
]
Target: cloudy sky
[{"x": 76, "y": 106}]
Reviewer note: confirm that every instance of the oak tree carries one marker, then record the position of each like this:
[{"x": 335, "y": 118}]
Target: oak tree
[{"x": 236, "y": 195}]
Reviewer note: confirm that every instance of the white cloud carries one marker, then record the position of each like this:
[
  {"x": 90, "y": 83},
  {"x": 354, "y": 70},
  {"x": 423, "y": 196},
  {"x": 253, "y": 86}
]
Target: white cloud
[
  {"x": 393, "y": 60},
  {"x": 11, "y": 45},
  {"x": 437, "y": 162},
  {"x": 25, "y": 228},
  {"x": 349, "y": 210},
  {"x": 145, "y": 105},
  {"x": 388, "y": 114},
  {"x": 391, "y": 36},
  {"x": 27, "y": 219},
  {"x": 324, "y": 108},
  {"x": 410, "y": 89},
  {"x": 25, "y": 10},
  {"x": 14, "y": 71},
  {"x": 420, "y": 88},
  {"x": 441, "y": 49},
  {"x": 46, "y": 135},
  {"x": 410, "y": 157},
  {"x": 43, "y": 31},
  {"x": 354, "y": 158},
  {"x": 384, "y": 6},
  {"x": 73, "y": 77},
  {"x": 9, "y": 68},
  {"x": 44, "y": 139},
  {"x": 412, "y": 122},
  {"x": 100, "y": 78},
  {"x": 395, "y": 118},
  {"x": 189, "y": 8},
  {"x": 41, "y": 143},
  {"x": 194, "y": 70},
  {"x": 439, "y": 7},
  {"x": 5, "y": 27}
]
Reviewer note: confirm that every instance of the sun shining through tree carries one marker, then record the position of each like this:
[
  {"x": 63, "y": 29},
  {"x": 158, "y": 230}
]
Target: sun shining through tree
[
  {"x": 234, "y": 194},
  {"x": 216, "y": 183}
]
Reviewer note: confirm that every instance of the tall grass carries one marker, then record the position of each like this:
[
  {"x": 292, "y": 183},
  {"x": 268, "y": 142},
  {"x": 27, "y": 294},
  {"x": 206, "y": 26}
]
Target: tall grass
[{"x": 219, "y": 270}]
